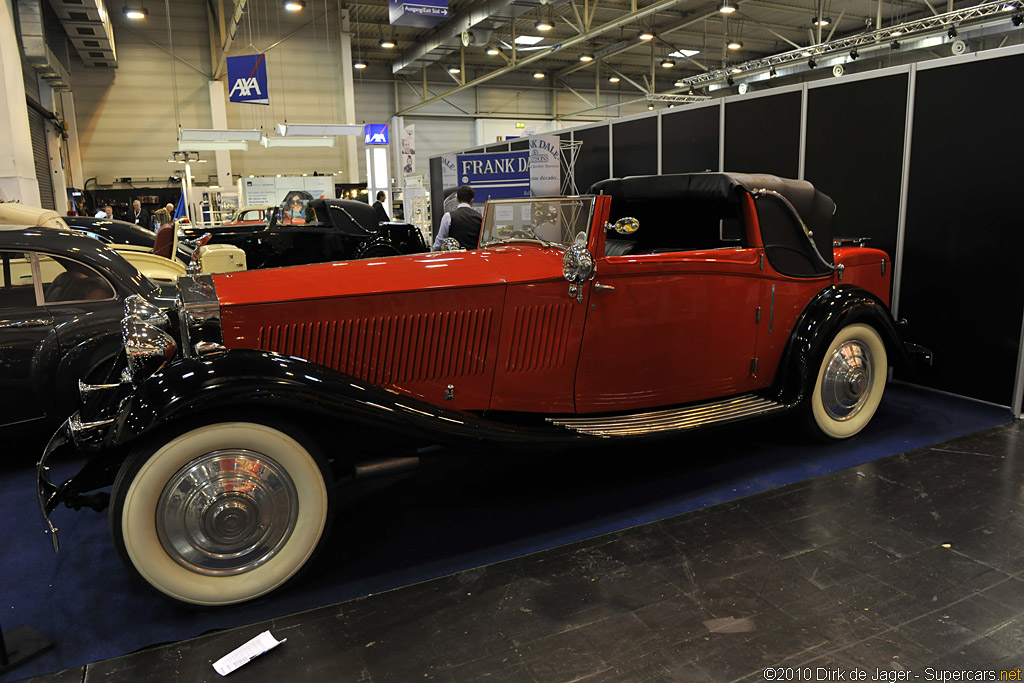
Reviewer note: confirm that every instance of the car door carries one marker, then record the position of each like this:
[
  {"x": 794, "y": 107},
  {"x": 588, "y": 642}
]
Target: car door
[
  {"x": 26, "y": 334},
  {"x": 669, "y": 327}
]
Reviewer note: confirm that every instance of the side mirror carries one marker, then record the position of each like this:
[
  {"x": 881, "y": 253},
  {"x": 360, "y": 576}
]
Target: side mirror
[{"x": 626, "y": 225}]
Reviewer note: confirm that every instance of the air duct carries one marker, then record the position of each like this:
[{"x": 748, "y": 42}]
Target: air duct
[
  {"x": 87, "y": 24},
  {"x": 33, "y": 40}
]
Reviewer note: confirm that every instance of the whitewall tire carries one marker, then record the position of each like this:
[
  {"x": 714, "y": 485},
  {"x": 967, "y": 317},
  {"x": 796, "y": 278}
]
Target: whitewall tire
[
  {"x": 222, "y": 513},
  {"x": 849, "y": 384}
]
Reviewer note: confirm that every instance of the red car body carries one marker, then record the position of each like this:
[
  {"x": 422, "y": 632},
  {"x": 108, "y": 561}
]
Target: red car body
[{"x": 718, "y": 297}]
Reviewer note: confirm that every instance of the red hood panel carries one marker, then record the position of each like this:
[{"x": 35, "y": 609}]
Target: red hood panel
[{"x": 514, "y": 263}]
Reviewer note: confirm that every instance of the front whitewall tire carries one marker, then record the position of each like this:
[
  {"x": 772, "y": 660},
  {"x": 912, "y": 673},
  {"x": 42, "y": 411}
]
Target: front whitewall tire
[
  {"x": 137, "y": 502},
  {"x": 850, "y": 382}
]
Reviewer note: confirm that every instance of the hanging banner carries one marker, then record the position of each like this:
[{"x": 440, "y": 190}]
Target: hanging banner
[
  {"x": 419, "y": 13},
  {"x": 499, "y": 175},
  {"x": 247, "y": 75},
  {"x": 409, "y": 149},
  {"x": 545, "y": 166},
  {"x": 273, "y": 191}
]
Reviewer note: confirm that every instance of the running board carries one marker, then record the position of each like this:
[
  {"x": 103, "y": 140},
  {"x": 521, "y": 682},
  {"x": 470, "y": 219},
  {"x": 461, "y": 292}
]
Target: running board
[{"x": 673, "y": 419}]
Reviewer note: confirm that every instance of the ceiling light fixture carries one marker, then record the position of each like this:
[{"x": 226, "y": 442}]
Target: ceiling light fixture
[
  {"x": 727, "y": 7},
  {"x": 133, "y": 13},
  {"x": 650, "y": 107},
  {"x": 734, "y": 44},
  {"x": 691, "y": 91},
  {"x": 646, "y": 35},
  {"x": 773, "y": 73},
  {"x": 359, "y": 63},
  {"x": 811, "y": 63},
  {"x": 821, "y": 21},
  {"x": 294, "y": 5},
  {"x": 493, "y": 51},
  {"x": 1017, "y": 19},
  {"x": 539, "y": 75},
  {"x": 386, "y": 43},
  {"x": 613, "y": 79},
  {"x": 543, "y": 25},
  {"x": 854, "y": 54},
  {"x": 214, "y": 146},
  {"x": 736, "y": 70},
  {"x": 297, "y": 142},
  {"x": 730, "y": 80},
  {"x": 319, "y": 129},
  {"x": 895, "y": 45},
  {"x": 952, "y": 32},
  {"x": 667, "y": 64},
  {"x": 586, "y": 57},
  {"x": 206, "y": 134}
]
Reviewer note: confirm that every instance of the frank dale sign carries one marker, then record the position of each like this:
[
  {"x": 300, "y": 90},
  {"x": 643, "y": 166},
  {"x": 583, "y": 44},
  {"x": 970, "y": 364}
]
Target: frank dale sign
[{"x": 533, "y": 172}]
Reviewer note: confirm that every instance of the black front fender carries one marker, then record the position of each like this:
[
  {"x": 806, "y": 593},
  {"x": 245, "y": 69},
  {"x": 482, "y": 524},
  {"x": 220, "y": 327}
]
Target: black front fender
[
  {"x": 246, "y": 380},
  {"x": 832, "y": 309}
]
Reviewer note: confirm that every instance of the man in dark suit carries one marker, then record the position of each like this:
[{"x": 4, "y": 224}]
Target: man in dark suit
[
  {"x": 382, "y": 214},
  {"x": 140, "y": 216},
  {"x": 462, "y": 223}
]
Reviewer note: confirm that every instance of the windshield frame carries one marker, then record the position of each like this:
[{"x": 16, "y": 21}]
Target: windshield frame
[{"x": 488, "y": 229}]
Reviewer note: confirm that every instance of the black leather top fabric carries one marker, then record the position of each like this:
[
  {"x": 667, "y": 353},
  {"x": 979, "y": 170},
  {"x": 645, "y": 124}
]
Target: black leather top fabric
[
  {"x": 346, "y": 215},
  {"x": 814, "y": 207}
]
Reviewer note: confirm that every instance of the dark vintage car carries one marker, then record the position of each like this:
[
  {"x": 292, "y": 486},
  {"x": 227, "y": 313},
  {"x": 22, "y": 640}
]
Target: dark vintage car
[
  {"x": 653, "y": 307},
  {"x": 61, "y": 303},
  {"x": 122, "y": 233},
  {"x": 318, "y": 231}
]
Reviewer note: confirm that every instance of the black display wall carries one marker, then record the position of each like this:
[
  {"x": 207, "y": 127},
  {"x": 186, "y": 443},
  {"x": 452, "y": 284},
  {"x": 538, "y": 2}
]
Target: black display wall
[
  {"x": 762, "y": 135},
  {"x": 635, "y": 147},
  {"x": 592, "y": 162},
  {"x": 963, "y": 286},
  {"x": 518, "y": 145},
  {"x": 854, "y": 154},
  {"x": 689, "y": 140}
]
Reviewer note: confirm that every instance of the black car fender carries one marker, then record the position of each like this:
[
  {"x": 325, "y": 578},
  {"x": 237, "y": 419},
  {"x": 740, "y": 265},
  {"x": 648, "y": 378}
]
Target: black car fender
[
  {"x": 828, "y": 312},
  {"x": 291, "y": 388}
]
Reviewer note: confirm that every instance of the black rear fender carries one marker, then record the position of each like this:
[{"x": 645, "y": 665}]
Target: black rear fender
[{"x": 831, "y": 310}]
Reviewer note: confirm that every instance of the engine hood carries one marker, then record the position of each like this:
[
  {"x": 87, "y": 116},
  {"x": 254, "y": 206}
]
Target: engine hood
[{"x": 506, "y": 264}]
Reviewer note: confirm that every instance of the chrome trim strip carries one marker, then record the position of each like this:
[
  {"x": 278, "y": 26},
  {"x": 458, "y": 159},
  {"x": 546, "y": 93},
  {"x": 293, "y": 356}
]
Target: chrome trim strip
[
  {"x": 771, "y": 312},
  {"x": 84, "y": 389},
  {"x": 674, "y": 419},
  {"x": 85, "y": 432},
  {"x": 37, "y": 322}
]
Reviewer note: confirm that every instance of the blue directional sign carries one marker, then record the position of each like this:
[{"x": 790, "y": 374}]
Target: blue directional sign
[
  {"x": 247, "y": 75},
  {"x": 419, "y": 13}
]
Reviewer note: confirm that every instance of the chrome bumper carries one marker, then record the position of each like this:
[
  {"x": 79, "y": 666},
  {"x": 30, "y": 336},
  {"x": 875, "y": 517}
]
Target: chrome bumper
[{"x": 48, "y": 492}]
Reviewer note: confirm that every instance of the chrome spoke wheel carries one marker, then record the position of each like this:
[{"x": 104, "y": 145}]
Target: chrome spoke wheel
[
  {"x": 227, "y": 512},
  {"x": 846, "y": 383}
]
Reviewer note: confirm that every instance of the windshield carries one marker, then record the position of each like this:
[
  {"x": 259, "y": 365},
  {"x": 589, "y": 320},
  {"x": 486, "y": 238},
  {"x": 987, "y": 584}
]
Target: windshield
[{"x": 558, "y": 222}]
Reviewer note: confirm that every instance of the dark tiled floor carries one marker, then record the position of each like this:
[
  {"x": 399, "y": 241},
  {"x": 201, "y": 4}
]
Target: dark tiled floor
[{"x": 909, "y": 562}]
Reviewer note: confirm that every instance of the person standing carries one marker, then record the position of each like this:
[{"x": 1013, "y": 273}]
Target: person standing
[
  {"x": 105, "y": 212},
  {"x": 463, "y": 223},
  {"x": 378, "y": 206},
  {"x": 140, "y": 216}
]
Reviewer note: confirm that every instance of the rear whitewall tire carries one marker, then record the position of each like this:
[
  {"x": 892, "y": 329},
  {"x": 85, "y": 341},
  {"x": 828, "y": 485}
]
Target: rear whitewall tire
[
  {"x": 849, "y": 384},
  {"x": 140, "y": 489}
]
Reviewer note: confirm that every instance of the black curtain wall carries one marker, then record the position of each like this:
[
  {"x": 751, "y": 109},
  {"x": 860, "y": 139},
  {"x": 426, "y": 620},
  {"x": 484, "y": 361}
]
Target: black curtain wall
[{"x": 960, "y": 287}]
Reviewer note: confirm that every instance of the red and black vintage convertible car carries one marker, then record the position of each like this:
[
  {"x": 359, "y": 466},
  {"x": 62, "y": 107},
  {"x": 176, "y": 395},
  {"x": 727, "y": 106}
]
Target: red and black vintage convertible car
[{"x": 653, "y": 306}]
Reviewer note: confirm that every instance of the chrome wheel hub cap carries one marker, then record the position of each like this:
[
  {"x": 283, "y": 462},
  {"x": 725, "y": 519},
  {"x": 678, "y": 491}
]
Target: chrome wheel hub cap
[
  {"x": 846, "y": 382},
  {"x": 226, "y": 512}
]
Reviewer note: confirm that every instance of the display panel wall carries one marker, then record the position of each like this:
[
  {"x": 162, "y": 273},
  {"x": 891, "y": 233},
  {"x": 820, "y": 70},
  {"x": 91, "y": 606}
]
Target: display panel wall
[
  {"x": 635, "y": 147},
  {"x": 854, "y": 154},
  {"x": 690, "y": 139},
  {"x": 592, "y": 163},
  {"x": 762, "y": 135},
  {"x": 962, "y": 285}
]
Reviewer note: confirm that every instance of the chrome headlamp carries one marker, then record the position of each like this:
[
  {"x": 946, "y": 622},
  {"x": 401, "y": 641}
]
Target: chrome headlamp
[
  {"x": 137, "y": 308},
  {"x": 147, "y": 347}
]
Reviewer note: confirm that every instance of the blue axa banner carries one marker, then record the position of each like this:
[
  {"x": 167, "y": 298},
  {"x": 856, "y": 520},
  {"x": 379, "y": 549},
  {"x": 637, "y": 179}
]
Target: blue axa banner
[
  {"x": 499, "y": 175},
  {"x": 375, "y": 134},
  {"x": 247, "y": 75}
]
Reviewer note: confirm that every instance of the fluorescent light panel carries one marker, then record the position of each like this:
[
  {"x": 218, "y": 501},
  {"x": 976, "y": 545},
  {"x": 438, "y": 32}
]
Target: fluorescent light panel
[
  {"x": 319, "y": 129},
  {"x": 297, "y": 142},
  {"x": 187, "y": 134},
  {"x": 528, "y": 40},
  {"x": 213, "y": 146},
  {"x": 682, "y": 54}
]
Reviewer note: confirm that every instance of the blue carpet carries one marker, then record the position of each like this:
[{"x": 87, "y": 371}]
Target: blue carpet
[{"x": 446, "y": 517}]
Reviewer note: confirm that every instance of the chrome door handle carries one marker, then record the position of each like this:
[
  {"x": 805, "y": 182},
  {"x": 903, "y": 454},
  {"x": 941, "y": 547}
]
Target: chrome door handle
[
  {"x": 598, "y": 285},
  {"x": 9, "y": 324}
]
